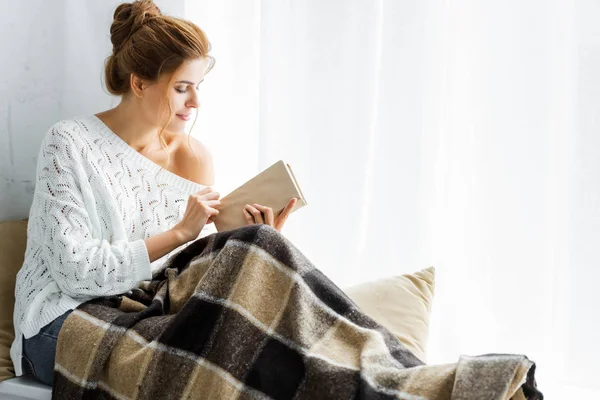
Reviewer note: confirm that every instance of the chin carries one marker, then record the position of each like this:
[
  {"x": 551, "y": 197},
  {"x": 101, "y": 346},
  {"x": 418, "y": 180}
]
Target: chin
[{"x": 178, "y": 127}]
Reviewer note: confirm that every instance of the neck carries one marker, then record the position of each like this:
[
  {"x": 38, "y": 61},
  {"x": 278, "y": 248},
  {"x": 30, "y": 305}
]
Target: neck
[{"x": 130, "y": 124}]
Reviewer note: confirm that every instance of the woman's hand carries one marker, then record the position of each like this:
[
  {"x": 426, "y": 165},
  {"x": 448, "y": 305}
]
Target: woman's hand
[
  {"x": 200, "y": 211},
  {"x": 257, "y": 214}
]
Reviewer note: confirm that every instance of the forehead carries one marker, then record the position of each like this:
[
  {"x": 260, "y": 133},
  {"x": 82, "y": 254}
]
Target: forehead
[{"x": 191, "y": 70}]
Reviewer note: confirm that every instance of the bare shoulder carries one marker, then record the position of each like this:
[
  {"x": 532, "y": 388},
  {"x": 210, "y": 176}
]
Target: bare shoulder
[{"x": 194, "y": 160}]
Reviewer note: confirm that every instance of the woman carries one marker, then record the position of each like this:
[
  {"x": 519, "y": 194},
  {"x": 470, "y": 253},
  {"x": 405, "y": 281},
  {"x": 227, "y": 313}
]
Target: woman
[{"x": 106, "y": 214}]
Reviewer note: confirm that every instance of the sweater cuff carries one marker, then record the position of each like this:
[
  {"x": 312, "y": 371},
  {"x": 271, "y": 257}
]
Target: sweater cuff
[{"x": 140, "y": 263}]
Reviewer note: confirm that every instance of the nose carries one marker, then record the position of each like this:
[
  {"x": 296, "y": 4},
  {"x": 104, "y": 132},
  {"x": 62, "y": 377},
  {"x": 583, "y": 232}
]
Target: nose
[{"x": 193, "y": 102}]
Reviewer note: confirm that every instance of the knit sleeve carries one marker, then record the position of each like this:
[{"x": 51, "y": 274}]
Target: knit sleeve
[
  {"x": 161, "y": 263},
  {"x": 81, "y": 262}
]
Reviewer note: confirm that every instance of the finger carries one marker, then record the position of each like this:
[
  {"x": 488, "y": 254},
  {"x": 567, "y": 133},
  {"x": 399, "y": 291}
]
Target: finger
[
  {"x": 248, "y": 216},
  {"x": 258, "y": 217},
  {"x": 212, "y": 212},
  {"x": 212, "y": 203},
  {"x": 280, "y": 221},
  {"x": 205, "y": 190},
  {"x": 284, "y": 214},
  {"x": 211, "y": 196},
  {"x": 288, "y": 208},
  {"x": 267, "y": 212}
]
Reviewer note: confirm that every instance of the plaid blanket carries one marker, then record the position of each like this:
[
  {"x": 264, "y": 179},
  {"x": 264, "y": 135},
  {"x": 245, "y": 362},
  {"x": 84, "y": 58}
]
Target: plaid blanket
[{"x": 244, "y": 314}]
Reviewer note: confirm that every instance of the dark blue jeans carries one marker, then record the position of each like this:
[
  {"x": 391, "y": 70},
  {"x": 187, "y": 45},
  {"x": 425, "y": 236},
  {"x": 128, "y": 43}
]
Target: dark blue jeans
[{"x": 39, "y": 351}]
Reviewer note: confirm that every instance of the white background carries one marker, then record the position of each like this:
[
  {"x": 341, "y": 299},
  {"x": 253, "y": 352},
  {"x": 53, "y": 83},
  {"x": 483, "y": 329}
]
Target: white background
[{"x": 459, "y": 134}]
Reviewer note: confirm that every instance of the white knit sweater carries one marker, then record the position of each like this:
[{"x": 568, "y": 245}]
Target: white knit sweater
[{"x": 96, "y": 199}]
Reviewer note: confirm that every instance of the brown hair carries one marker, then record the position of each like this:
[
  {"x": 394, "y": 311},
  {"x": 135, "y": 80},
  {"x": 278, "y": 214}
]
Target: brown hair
[{"x": 148, "y": 43}]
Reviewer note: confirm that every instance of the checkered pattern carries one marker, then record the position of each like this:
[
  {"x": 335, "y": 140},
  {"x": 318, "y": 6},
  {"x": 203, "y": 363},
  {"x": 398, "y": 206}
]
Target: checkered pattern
[{"x": 243, "y": 314}]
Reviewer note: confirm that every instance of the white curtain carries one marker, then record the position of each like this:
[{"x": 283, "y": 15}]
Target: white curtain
[
  {"x": 460, "y": 134},
  {"x": 457, "y": 134}
]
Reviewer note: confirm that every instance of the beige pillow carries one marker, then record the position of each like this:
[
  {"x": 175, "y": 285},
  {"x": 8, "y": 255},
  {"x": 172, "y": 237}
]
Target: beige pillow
[
  {"x": 400, "y": 303},
  {"x": 13, "y": 240}
]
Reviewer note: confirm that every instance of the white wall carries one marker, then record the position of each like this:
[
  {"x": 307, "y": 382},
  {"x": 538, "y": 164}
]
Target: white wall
[
  {"x": 52, "y": 65},
  {"x": 584, "y": 197}
]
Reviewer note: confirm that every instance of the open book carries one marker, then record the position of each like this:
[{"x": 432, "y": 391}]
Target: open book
[{"x": 274, "y": 187}]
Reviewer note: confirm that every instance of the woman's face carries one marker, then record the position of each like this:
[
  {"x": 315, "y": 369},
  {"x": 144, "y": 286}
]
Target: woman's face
[{"x": 183, "y": 94}]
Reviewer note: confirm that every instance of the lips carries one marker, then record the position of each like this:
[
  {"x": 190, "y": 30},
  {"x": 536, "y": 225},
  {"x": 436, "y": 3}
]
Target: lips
[{"x": 184, "y": 117}]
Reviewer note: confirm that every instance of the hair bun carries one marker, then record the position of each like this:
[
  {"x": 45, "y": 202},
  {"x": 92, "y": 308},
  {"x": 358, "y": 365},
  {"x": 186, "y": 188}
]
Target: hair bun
[{"x": 128, "y": 18}]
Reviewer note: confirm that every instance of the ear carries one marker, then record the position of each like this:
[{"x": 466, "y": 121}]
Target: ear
[{"x": 137, "y": 85}]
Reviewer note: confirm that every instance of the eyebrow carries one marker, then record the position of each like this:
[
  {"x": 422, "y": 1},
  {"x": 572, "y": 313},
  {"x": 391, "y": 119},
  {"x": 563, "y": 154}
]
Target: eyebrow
[{"x": 189, "y": 83}]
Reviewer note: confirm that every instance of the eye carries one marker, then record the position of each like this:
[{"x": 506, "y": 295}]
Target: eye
[{"x": 179, "y": 90}]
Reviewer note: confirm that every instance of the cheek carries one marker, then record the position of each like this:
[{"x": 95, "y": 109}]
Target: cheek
[
  {"x": 178, "y": 102},
  {"x": 155, "y": 103},
  {"x": 156, "y": 109}
]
